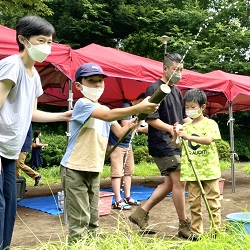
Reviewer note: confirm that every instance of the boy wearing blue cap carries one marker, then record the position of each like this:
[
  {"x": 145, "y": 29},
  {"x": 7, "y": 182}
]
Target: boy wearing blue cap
[{"x": 84, "y": 158}]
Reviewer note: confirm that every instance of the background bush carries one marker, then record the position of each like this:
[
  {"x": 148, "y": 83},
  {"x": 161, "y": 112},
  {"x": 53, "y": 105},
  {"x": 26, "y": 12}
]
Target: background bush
[
  {"x": 141, "y": 150},
  {"x": 57, "y": 141},
  {"x": 57, "y": 148},
  {"x": 55, "y": 135},
  {"x": 53, "y": 154},
  {"x": 241, "y": 129},
  {"x": 223, "y": 148}
]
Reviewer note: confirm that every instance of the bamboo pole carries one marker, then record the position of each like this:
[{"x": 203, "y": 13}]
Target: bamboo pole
[
  {"x": 200, "y": 185},
  {"x": 157, "y": 97}
]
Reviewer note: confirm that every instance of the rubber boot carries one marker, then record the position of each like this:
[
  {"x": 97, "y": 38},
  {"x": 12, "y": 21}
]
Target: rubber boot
[
  {"x": 140, "y": 217},
  {"x": 185, "y": 231}
]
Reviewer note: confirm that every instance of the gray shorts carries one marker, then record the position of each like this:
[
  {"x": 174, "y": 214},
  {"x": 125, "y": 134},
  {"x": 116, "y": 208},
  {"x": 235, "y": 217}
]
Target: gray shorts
[{"x": 167, "y": 164}]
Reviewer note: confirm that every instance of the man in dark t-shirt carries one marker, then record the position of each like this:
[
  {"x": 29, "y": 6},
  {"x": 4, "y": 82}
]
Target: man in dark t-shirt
[{"x": 165, "y": 155}]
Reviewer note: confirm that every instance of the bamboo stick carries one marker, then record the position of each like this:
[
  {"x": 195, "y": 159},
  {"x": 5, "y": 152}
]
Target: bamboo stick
[
  {"x": 200, "y": 185},
  {"x": 157, "y": 97}
]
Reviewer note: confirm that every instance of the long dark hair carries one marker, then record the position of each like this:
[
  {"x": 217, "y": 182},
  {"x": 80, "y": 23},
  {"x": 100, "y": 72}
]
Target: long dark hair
[{"x": 36, "y": 134}]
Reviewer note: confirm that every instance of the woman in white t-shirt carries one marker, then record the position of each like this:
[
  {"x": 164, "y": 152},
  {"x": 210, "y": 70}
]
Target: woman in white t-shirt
[{"x": 20, "y": 86}]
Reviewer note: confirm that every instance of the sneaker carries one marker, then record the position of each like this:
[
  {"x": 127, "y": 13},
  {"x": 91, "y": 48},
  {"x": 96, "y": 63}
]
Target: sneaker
[
  {"x": 121, "y": 205},
  {"x": 37, "y": 179},
  {"x": 129, "y": 200}
]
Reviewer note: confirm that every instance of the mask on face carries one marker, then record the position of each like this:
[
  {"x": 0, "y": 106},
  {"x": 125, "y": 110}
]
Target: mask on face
[
  {"x": 193, "y": 113},
  {"x": 176, "y": 77},
  {"x": 39, "y": 52},
  {"x": 92, "y": 93}
]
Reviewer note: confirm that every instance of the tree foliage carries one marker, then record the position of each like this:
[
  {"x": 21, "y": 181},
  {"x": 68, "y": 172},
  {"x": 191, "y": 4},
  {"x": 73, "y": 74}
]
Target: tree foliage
[
  {"x": 211, "y": 34},
  {"x": 81, "y": 22},
  {"x": 12, "y": 10}
]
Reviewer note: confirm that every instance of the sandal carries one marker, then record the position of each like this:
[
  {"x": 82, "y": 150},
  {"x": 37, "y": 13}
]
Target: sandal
[
  {"x": 121, "y": 205},
  {"x": 130, "y": 201}
]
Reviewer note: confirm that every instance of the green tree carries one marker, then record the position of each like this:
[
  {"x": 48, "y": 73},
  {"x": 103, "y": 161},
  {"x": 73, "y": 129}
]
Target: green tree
[
  {"x": 12, "y": 10},
  {"x": 81, "y": 22},
  {"x": 214, "y": 33}
]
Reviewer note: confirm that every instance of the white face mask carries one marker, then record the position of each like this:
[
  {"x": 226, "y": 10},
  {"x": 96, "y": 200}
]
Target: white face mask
[
  {"x": 92, "y": 93},
  {"x": 39, "y": 52},
  {"x": 193, "y": 113}
]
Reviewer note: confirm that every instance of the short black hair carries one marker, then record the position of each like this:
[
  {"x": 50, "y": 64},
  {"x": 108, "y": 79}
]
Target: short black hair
[
  {"x": 141, "y": 96},
  {"x": 195, "y": 95},
  {"x": 170, "y": 58},
  {"x": 29, "y": 26}
]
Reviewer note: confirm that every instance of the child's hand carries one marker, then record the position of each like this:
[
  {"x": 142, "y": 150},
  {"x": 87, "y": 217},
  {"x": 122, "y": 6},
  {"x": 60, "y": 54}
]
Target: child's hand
[
  {"x": 133, "y": 123},
  {"x": 147, "y": 107},
  {"x": 182, "y": 133},
  {"x": 177, "y": 128}
]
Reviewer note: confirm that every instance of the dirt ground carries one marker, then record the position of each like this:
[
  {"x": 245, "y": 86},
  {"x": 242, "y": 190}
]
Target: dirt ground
[{"x": 33, "y": 227}]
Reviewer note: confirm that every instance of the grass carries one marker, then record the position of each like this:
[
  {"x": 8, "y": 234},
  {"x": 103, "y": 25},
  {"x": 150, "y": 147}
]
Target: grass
[
  {"x": 246, "y": 168},
  {"x": 122, "y": 237},
  {"x": 144, "y": 169}
]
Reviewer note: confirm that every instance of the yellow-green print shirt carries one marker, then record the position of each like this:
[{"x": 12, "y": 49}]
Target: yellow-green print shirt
[{"x": 204, "y": 158}]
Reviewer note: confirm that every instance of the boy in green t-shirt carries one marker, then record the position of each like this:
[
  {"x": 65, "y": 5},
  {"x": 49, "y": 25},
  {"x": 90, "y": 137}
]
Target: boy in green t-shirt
[{"x": 199, "y": 137}]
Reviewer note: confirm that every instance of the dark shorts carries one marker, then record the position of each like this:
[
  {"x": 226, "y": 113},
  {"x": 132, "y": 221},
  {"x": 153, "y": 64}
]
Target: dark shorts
[{"x": 167, "y": 164}]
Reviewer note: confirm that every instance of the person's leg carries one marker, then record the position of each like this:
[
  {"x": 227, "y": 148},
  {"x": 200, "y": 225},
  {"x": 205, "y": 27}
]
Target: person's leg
[
  {"x": 159, "y": 194},
  {"x": 178, "y": 194},
  {"x": 26, "y": 169},
  {"x": 194, "y": 198},
  {"x": 128, "y": 163},
  {"x": 20, "y": 165},
  {"x": 212, "y": 192},
  {"x": 140, "y": 215},
  {"x": 94, "y": 182},
  {"x": 77, "y": 202},
  {"x": 2, "y": 205},
  {"x": 129, "y": 166},
  {"x": 116, "y": 162},
  {"x": 8, "y": 201}
]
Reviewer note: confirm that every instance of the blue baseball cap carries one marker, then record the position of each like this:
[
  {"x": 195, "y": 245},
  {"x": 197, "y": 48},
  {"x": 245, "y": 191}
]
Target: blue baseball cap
[{"x": 89, "y": 69}]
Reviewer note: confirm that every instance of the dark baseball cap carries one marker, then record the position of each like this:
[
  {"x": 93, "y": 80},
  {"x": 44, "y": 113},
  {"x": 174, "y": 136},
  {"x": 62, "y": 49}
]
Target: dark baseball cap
[{"x": 88, "y": 69}]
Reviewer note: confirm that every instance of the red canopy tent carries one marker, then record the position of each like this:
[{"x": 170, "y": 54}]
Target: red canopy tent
[
  {"x": 129, "y": 75},
  {"x": 238, "y": 90},
  {"x": 232, "y": 95},
  {"x": 229, "y": 88}
]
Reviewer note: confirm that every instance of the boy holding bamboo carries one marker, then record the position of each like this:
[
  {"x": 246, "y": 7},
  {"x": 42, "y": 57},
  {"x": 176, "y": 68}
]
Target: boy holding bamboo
[{"x": 199, "y": 137}]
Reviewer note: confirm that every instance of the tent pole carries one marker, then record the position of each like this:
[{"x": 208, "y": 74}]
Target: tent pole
[
  {"x": 70, "y": 106},
  {"x": 232, "y": 153}
]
